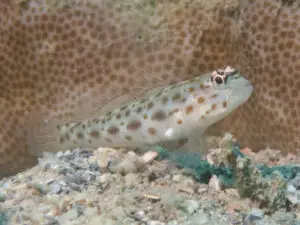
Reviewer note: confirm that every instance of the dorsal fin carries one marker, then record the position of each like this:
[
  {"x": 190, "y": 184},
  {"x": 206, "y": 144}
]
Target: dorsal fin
[
  {"x": 152, "y": 92},
  {"x": 91, "y": 106},
  {"x": 114, "y": 103},
  {"x": 151, "y": 85}
]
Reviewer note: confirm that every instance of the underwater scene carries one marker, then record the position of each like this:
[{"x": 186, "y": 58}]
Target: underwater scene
[{"x": 150, "y": 112}]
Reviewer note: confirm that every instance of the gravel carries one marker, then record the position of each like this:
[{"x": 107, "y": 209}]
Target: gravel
[{"x": 108, "y": 186}]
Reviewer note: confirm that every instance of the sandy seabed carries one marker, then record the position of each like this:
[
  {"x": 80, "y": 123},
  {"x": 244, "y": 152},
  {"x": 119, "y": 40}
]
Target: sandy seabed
[{"x": 108, "y": 186}]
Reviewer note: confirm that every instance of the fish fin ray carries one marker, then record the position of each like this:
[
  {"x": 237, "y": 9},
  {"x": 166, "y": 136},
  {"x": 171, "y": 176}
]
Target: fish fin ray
[
  {"x": 42, "y": 135},
  {"x": 91, "y": 106}
]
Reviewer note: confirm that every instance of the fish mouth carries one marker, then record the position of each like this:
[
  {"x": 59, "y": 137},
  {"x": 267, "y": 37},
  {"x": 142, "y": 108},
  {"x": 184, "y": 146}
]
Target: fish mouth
[
  {"x": 249, "y": 85},
  {"x": 244, "y": 92},
  {"x": 248, "y": 90}
]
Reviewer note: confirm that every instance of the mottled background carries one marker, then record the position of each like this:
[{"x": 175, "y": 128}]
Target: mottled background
[{"x": 56, "y": 54}]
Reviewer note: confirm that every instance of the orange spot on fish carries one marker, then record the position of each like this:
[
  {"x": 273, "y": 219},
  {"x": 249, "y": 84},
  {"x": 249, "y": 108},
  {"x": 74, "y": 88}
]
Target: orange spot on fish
[
  {"x": 201, "y": 100},
  {"x": 189, "y": 109}
]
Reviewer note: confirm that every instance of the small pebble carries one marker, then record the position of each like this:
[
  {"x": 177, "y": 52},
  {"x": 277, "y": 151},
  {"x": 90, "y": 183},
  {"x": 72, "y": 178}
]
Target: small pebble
[
  {"x": 139, "y": 215},
  {"x": 177, "y": 178},
  {"x": 104, "y": 179},
  {"x": 191, "y": 206},
  {"x": 149, "y": 156},
  {"x": 154, "y": 222},
  {"x": 55, "y": 187},
  {"x": 72, "y": 214},
  {"x": 59, "y": 154},
  {"x": 202, "y": 190},
  {"x": 2, "y": 196},
  {"x": 255, "y": 214},
  {"x": 89, "y": 212},
  {"x": 131, "y": 179},
  {"x": 214, "y": 183},
  {"x": 130, "y": 164}
]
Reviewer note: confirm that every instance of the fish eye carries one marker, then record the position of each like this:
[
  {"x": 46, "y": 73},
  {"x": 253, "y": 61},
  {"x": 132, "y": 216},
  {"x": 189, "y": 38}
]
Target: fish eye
[{"x": 219, "y": 79}]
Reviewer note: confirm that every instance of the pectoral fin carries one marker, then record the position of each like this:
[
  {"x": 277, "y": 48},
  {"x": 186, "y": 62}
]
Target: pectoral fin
[{"x": 197, "y": 143}]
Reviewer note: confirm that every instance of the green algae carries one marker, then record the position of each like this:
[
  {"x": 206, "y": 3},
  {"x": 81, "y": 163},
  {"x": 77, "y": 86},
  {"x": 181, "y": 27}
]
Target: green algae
[
  {"x": 263, "y": 184},
  {"x": 3, "y": 218},
  {"x": 200, "y": 170}
]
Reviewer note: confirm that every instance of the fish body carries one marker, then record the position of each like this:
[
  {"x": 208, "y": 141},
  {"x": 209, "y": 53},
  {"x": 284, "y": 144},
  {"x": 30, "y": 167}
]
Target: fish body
[{"x": 181, "y": 111}]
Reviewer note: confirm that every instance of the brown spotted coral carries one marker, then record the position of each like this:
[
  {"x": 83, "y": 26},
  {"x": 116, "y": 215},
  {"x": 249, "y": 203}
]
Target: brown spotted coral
[
  {"x": 56, "y": 54},
  {"x": 270, "y": 55}
]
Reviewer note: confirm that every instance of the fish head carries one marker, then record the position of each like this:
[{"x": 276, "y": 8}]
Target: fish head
[{"x": 222, "y": 91}]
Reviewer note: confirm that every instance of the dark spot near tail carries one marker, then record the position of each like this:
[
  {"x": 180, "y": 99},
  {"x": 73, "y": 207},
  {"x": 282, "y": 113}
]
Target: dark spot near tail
[
  {"x": 224, "y": 104},
  {"x": 83, "y": 126},
  {"x": 143, "y": 101},
  {"x": 127, "y": 113},
  {"x": 123, "y": 108},
  {"x": 61, "y": 140},
  {"x": 164, "y": 100},
  {"x": 108, "y": 117},
  {"x": 158, "y": 94},
  {"x": 67, "y": 136},
  {"x": 150, "y": 105},
  {"x": 95, "y": 134},
  {"x": 118, "y": 116},
  {"x": 96, "y": 121},
  {"x": 173, "y": 86},
  {"x": 80, "y": 135},
  {"x": 113, "y": 130},
  {"x": 176, "y": 97},
  {"x": 77, "y": 125},
  {"x": 108, "y": 140},
  {"x": 128, "y": 138},
  {"x": 134, "y": 125},
  {"x": 109, "y": 114},
  {"x": 173, "y": 112},
  {"x": 152, "y": 130},
  {"x": 159, "y": 115},
  {"x": 139, "y": 109}
]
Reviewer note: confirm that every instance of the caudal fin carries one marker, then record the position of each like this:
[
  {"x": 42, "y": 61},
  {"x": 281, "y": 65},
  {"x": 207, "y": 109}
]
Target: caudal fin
[{"x": 42, "y": 134}]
